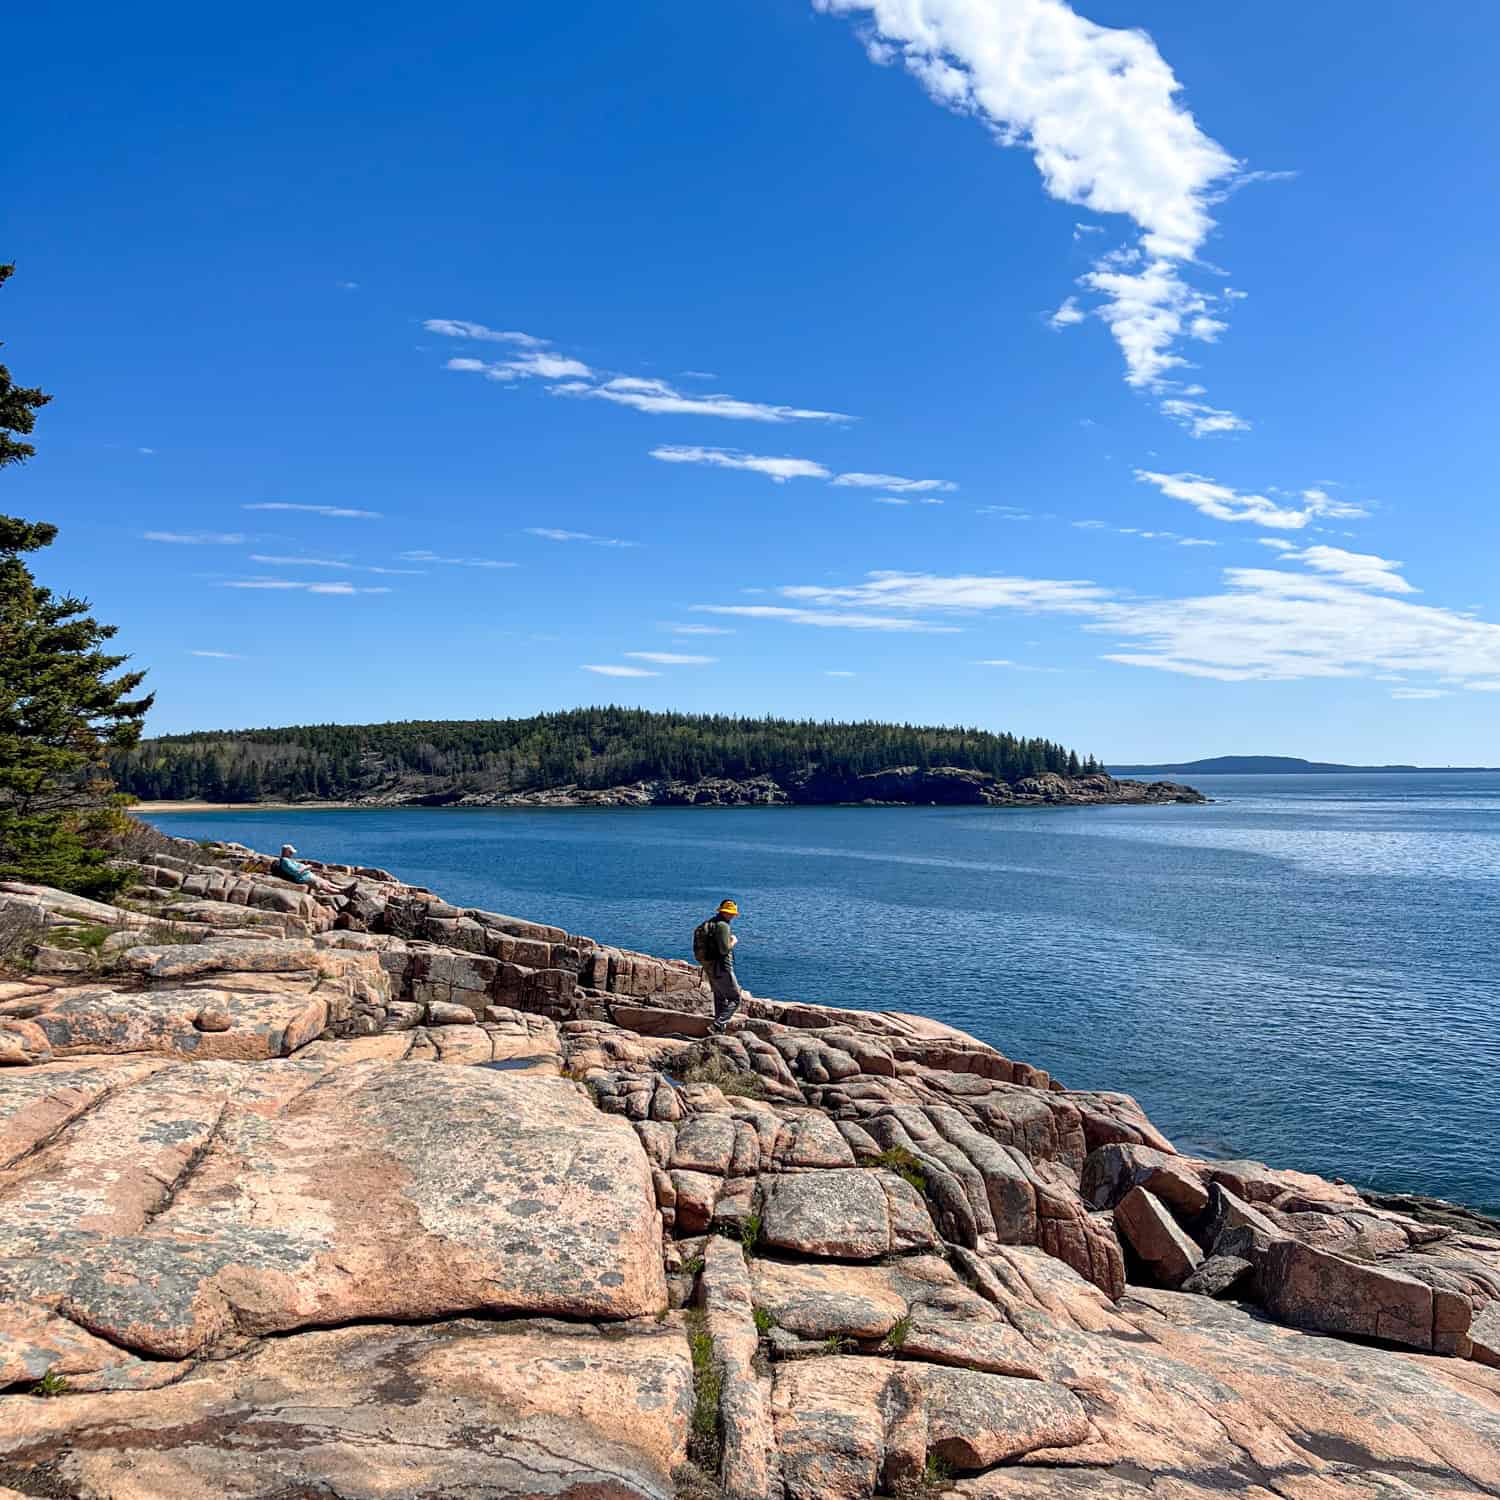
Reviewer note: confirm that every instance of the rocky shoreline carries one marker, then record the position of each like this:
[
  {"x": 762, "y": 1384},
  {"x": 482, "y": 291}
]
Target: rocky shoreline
[
  {"x": 902, "y": 786},
  {"x": 368, "y": 1195}
]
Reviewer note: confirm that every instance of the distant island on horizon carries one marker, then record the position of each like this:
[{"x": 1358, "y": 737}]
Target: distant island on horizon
[
  {"x": 1273, "y": 765},
  {"x": 610, "y": 756}
]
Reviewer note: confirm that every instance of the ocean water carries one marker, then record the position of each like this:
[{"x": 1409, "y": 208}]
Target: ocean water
[{"x": 1307, "y": 971}]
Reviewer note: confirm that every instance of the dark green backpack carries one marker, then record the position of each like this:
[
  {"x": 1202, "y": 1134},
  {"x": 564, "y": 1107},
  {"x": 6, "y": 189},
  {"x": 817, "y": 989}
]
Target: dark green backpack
[{"x": 703, "y": 950}]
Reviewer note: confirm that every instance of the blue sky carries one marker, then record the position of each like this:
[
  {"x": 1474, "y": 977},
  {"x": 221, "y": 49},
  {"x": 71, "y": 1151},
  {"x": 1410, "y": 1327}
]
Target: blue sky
[{"x": 1122, "y": 374}]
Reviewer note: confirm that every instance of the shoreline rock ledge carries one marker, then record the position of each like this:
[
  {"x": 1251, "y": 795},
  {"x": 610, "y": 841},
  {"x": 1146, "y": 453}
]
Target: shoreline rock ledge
[{"x": 372, "y": 1196}]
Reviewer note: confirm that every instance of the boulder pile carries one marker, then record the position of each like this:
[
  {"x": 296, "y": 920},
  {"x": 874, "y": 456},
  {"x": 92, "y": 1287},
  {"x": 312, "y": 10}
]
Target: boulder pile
[{"x": 353, "y": 1193}]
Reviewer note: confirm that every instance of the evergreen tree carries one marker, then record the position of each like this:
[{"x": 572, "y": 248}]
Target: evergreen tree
[{"x": 61, "y": 711}]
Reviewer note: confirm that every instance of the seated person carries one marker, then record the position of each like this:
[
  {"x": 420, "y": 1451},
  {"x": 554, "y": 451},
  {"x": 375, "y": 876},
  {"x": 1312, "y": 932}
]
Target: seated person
[{"x": 289, "y": 868}]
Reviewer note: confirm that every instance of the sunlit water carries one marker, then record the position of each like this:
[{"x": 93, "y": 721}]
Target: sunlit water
[{"x": 1305, "y": 971}]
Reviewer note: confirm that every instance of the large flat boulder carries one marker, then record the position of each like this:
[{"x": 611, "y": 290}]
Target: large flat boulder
[
  {"x": 848, "y": 1213},
  {"x": 212, "y": 1203},
  {"x": 507, "y": 1409},
  {"x": 1310, "y": 1288},
  {"x": 847, "y": 1426}
]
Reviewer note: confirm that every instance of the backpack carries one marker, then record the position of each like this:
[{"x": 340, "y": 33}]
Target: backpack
[{"x": 703, "y": 952}]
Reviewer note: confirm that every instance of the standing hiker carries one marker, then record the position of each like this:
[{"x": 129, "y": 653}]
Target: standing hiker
[{"x": 713, "y": 947}]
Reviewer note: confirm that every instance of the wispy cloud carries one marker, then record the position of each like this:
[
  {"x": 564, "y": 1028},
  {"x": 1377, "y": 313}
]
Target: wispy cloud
[
  {"x": 302, "y": 585},
  {"x": 196, "y": 538},
  {"x": 338, "y": 512},
  {"x": 1262, "y": 625},
  {"x": 1100, "y": 111},
  {"x": 455, "y": 562},
  {"x": 1014, "y": 666},
  {"x": 534, "y": 364},
  {"x": 828, "y": 619},
  {"x": 330, "y": 562},
  {"x": 1201, "y": 420},
  {"x": 1226, "y": 504},
  {"x": 698, "y": 629},
  {"x": 895, "y": 483},
  {"x": 671, "y": 658},
  {"x": 1419, "y": 693},
  {"x": 219, "y": 655},
  {"x": 614, "y": 670},
  {"x": 641, "y": 393},
  {"x": 553, "y": 534},
  {"x": 457, "y": 328},
  {"x": 779, "y": 469},
  {"x": 660, "y": 398},
  {"x": 838, "y": 674},
  {"x": 1361, "y": 568},
  {"x": 783, "y": 468},
  {"x": 1068, "y": 314}
]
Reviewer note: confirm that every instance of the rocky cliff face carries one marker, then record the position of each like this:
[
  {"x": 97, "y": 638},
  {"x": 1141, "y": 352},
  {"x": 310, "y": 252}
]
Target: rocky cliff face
[
  {"x": 941, "y": 786},
  {"x": 369, "y": 1196}
]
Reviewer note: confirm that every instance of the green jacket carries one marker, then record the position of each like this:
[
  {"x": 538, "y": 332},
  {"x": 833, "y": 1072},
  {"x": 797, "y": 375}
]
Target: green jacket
[{"x": 717, "y": 947}]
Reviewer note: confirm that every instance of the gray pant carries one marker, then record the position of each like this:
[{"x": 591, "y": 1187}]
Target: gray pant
[{"x": 726, "y": 988}]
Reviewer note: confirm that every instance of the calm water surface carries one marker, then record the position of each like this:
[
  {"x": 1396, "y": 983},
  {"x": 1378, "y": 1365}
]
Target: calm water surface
[{"x": 1304, "y": 972}]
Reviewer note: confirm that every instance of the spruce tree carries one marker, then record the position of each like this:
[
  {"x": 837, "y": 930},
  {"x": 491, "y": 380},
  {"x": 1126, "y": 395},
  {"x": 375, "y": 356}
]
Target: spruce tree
[{"x": 62, "y": 711}]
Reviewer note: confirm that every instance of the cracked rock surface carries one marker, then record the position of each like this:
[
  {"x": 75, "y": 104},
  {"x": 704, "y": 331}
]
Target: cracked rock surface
[{"x": 365, "y": 1196}]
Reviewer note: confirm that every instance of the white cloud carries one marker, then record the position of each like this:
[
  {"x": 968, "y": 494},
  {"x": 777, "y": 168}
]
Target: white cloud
[
  {"x": 618, "y": 671},
  {"x": 574, "y": 378},
  {"x": 302, "y": 584},
  {"x": 1195, "y": 541},
  {"x": 196, "y": 538},
  {"x": 1226, "y": 504},
  {"x": 327, "y": 562},
  {"x": 671, "y": 658},
  {"x": 1362, "y": 569},
  {"x": 1099, "y": 110},
  {"x": 1277, "y": 542},
  {"x": 1262, "y": 625},
  {"x": 1483, "y": 687},
  {"x": 830, "y": 619},
  {"x": 553, "y": 534},
  {"x": 1005, "y": 512},
  {"x": 457, "y": 328},
  {"x": 534, "y": 363},
  {"x": 146, "y": 452},
  {"x": 659, "y": 398},
  {"x": 779, "y": 469},
  {"x": 456, "y": 562},
  {"x": 1418, "y": 693},
  {"x": 838, "y": 674},
  {"x": 1015, "y": 666},
  {"x": 1068, "y": 314},
  {"x": 347, "y": 286},
  {"x": 698, "y": 629},
  {"x": 1201, "y": 420},
  {"x": 219, "y": 655},
  {"x": 970, "y": 592},
  {"x": 895, "y": 482},
  {"x": 339, "y": 512}
]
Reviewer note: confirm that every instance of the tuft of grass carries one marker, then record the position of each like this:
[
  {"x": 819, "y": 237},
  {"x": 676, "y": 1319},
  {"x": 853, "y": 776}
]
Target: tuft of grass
[
  {"x": 937, "y": 1472},
  {"x": 899, "y": 1329},
  {"x": 704, "y": 1446},
  {"x": 836, "y": 1343},
  {"x": 701, "y": 1064},
  {"x": 749, "y": 1233},
  {"x": 906, "y": 1166},
  {"x": 88, "y": 939},
  {"x": 764, "y": 1322},
  {"x": 51, "y": 1384},
  {"x": 692, "y": 1266}
]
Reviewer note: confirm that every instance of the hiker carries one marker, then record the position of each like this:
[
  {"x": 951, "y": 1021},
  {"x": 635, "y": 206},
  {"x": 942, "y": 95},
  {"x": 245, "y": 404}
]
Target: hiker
[
  {"x": 288, "y": 867},
  {"x": 713, "y": 947}
]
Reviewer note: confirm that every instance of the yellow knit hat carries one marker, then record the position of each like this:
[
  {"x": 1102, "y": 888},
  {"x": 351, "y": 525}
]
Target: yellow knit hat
[{"x": 728, "y": 909}]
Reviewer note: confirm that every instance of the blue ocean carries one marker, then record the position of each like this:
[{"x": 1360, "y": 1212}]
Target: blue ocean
[{"x": 1307, "y": 971}]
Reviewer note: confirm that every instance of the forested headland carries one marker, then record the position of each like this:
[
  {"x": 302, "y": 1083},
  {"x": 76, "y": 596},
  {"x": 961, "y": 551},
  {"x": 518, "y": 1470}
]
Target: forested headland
[{"x": 590, "y": 748}]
